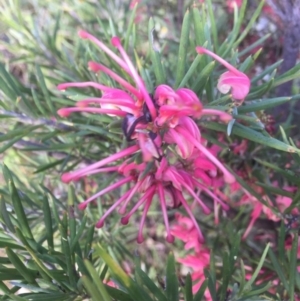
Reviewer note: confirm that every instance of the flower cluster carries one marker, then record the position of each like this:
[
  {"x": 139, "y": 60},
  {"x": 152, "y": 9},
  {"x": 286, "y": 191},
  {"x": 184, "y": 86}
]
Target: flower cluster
[{"x": 166, "y": 158}]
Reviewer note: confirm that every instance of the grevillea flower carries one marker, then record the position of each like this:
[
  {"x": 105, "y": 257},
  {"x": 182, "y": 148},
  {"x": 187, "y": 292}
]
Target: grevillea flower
[
  {"x": 174, "y": 161},
  {"x": 184, "y": 230},
  {"x": 232, "y": 80}
]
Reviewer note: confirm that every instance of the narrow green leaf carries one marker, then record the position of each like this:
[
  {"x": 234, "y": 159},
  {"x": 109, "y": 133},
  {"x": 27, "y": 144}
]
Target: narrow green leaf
[
  {"x": 17, "y": 298},
  {"x": 44, "y": 167},
  {"x": 38, "y": 103},
  {"x": 81, "y": 228},
  {"x": 190, "y": 71},
  {"x": 91, "y": 288},
  {"x": 293, "y": 266},
  {"x": 129, "y": 26},
  {"x": 263, "y": 89},
  {"x": 18, "y": 264},
  {"x": 150, "y": 284},
  {"x": 199, "y": 295},
  {"x": 183, "y": 46},
  {"x": 97, "y": 282},
  {"x": 248, "y": 133},
  {"x": 44, "y": 89},
  {"x": 18, "y": 207},
  {"x": 134, "y": 290},
  {"x": 213, "y": 25},
  {"x": 267, "y": 71},
  {"x": 155, "y": 56},
  {"x": 118, "y": 294},
  {"x": 258, "y": 42},
  {"x": 287, "y": 76},
  {"x": 188, "y": 288},
  {"x": 6, "y": 216},
  {"x": 226, "y": 275},
  {"x": 258, "y": 268},
  {"x": 18, "y": 132},
  {"x": 278, "y": 269},
  {"x": 263, "y": 104},
  {"x": 4, "y": 288},
  {"x": 250, "y": 23},
  {"x": 203, "y": 76},
  {"x": 40, "y": 266},
  {"x": 48, "y": 222},
  {"x": 171, "y": 279},
  {"x": 89, "y": 241}
]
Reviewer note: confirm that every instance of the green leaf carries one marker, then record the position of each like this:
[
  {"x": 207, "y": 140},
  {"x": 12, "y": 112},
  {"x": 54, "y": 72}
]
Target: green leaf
[
  {"x": 130, "y": 27},
  {"x": 226, "y": 275},
  {"x": 213, "y": 26},
  {"x": 250, "y": 134},
  {"x": 17, "y": 204},
  {"x": 44, "y": 89},
  {"x": 97, "y": 282},
  {"x": 18, "y": 264},
  {"x": 48, "y": 222},
  {"x": 183, "y": 46},
  {"x": 6, "y": 216},
  {"x": 188, "y": 288},
  {"x": 278, "y": 269},
  {"x": 203, "y": 76},
  {"x": 293, "y": 266},
  {"x": 155, "y": 56},
  {"x": 171, "y": 279},
  {"x": 263, "y": 104},
  {"x": 257, "y": 270},
  {"x": 199, "y": 295},
  {"x": 91, "y": 288},
  {"x": 150, "y": 284},
  {"x": 133, "y": 289},
  {"x": 250, "y": 23}
]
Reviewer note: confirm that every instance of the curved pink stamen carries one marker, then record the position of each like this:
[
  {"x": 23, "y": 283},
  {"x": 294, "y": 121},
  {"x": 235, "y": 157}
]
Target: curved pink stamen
[
  {"x": 213, "y": 196},
  {"x": 65, "y": 86},
  {"x": 116, "y": 42},
  {"x": 85, "y": 35},
  {"x": 228, "y": 177},
  {"x": 65, "y": 112},
  {"x": 140, "y": 237},
  {"x": 84, "y": 204},
  {"x": 190, "y": 213},
  {"x": 99, "y": 67},
  {"x": 122, "y": 210},
  {"x": 202, "y": 50},
  {"x": 170, "y": 237},
  {"x": 113, "y": 101},
  {"x": 81, "y": 172},
  {"x": 100, "y": 223},
  {"x": 206, "y": 210},
  {"x": 147, "y": 194}
]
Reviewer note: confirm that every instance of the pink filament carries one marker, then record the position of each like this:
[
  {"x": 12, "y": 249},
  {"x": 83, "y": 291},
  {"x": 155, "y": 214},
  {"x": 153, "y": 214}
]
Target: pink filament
[
  {"x": 189, "y": 211},
  {"x": 83, "y": 205},
  {"x": 85, "y": 35},
  {"x": 170, "y": 237},
  {"x": 67, "y": 177},
  {"x": 100, "y": 223},
  {"x": 65, "y": 112},
  {"x": 228, "y": 177},
  {"x": 116, "y": 42},
  {"x": 140, "y": 237},
  {"x": 99, "y": 67}
]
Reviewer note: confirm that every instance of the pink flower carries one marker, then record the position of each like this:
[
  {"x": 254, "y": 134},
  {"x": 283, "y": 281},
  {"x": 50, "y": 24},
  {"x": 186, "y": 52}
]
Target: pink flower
[
  {"x": 175, "y": 162},
  {"x": 232, "y": 80}
]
